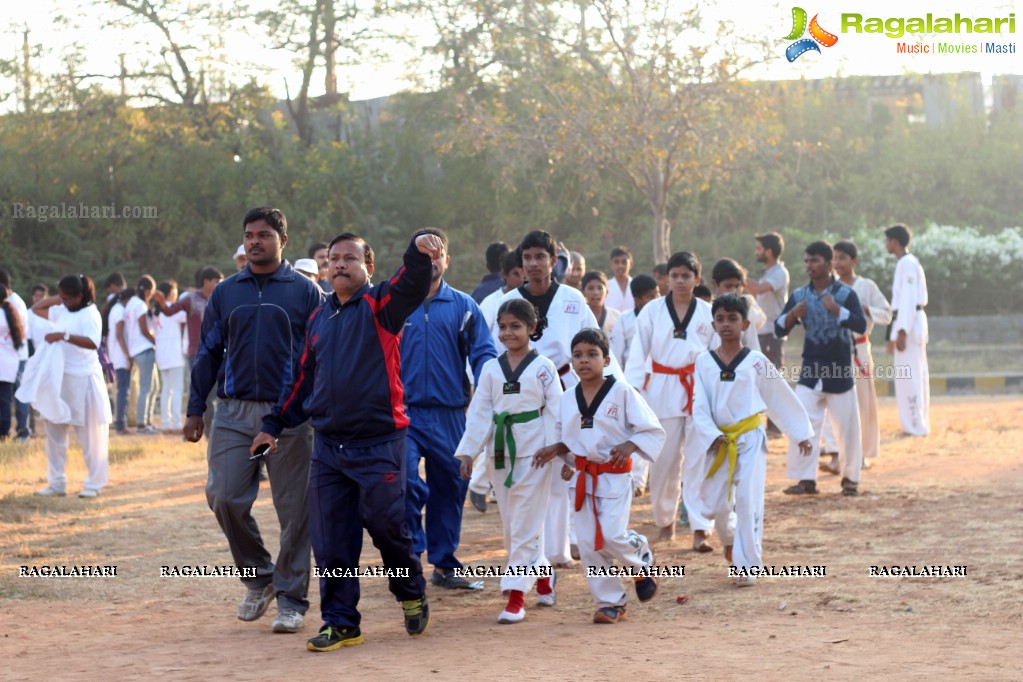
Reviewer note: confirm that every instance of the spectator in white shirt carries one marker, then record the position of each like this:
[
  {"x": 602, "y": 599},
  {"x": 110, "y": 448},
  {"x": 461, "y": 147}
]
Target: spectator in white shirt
[
  {"x": 138, "y": 332},
  {"x": 77, "y": 327}
]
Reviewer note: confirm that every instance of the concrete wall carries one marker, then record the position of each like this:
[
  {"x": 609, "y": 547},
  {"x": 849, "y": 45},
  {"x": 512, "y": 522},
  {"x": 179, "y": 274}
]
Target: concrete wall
[{"x": 977, "y": 329}]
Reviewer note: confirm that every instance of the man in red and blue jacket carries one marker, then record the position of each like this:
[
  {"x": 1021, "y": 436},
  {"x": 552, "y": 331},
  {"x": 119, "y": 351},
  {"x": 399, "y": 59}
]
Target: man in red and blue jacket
[{"x": 350, "y": 389}]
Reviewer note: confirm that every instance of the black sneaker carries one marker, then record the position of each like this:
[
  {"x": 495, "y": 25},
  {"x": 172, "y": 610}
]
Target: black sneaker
[
  {"x": 417, "y": 615},
  {"x": 807, "y": 487},
  {"x": 331, "y": 638},
  {"x": 447, "y": 579},
  {"x": 646, "y": 588},
  {"x": 850, "y": 488},
  {"x": 610, "y": 615},
  {"x": 479, "y": 502}
]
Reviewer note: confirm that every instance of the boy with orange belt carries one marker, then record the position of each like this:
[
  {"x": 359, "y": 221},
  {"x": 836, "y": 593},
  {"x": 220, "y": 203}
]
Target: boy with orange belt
[
  {"x": 601, "y": 424},
  {"x": 668, "y": 338}
]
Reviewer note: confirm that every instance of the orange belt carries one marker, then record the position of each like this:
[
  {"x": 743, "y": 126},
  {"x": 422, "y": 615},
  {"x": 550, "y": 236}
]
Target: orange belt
[
  {"x": 684, "y": 374},
  {"x": 594, "y": 469}
]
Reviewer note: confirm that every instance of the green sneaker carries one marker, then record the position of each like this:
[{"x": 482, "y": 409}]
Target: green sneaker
[
  {"x": 331, "y": 638},
  {"x": 417, "y": 615}
]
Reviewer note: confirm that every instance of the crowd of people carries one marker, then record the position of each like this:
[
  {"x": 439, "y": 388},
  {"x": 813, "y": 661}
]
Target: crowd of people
[{"x": 563, "y": 393}]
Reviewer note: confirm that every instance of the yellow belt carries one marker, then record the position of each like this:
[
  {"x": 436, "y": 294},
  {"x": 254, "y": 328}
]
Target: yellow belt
[{"x": 730, "y": 450}]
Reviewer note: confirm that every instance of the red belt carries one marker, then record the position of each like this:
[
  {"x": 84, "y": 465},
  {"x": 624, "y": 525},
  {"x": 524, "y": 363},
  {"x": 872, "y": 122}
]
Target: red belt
[
  {"x": 856, "y": 358},
  {"x": 685, "y": 376},
  {"x": 594, "y": 469}
]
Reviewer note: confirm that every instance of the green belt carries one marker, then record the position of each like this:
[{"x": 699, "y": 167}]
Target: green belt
[{"x": 504, "y": 423}]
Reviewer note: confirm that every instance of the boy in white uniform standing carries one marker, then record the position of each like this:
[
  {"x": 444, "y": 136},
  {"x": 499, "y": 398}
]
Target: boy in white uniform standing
[
  {"x": 601, "y": 424},
  {"x": 619, "y": 291},
  {"x": 511, "y": 416},
  {"x": 877, "y": 311},
  {"x": 734, "y": 385},
  {"x": 907, "y": 336},
  {"x": 668, "y": 338}
]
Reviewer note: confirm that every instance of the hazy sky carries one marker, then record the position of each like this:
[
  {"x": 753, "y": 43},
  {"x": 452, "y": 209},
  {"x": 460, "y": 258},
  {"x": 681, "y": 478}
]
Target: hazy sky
[{"x": 853, "y": 54}]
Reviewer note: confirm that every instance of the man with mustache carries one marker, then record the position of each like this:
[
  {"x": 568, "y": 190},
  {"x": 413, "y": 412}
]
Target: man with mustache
[
  {"x": 350, "y": 389},
  {"x": 252, "y": 334}
]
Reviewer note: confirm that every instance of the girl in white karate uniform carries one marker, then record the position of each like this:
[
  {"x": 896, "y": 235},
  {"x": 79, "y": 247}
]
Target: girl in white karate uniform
[{"x": 511, "y": 416}]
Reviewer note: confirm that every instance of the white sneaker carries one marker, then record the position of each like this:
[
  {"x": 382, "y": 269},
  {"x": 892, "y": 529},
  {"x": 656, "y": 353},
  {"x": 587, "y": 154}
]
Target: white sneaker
[
  {"x": 255, "y": 602},
  {"x": 552, "y": 598},
  {"x": 88, "y": 493},
  {"x": 507, "y": 617},
  {"x": 50, "y": 492},
  {"x": 745, "y": 580},
  {"x": 288, "y": 620}
]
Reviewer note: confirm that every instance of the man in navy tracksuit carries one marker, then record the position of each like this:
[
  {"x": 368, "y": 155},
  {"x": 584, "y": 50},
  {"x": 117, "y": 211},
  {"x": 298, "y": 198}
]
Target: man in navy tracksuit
[
  {"x": 251, "y": 339},
  {"x": 350, "y": 388},
  {"x": 439, "y": 337}
]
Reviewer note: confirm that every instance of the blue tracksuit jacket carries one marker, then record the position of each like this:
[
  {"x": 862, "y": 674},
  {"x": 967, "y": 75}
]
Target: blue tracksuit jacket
[{"x": 251, "y": 339}]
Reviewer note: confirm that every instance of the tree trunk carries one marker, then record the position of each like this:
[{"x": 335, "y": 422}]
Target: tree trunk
[
  {"x": 662, "y": 235},
  {"x": 329, "y": 49},
  {"x": 26, "y": 74}
]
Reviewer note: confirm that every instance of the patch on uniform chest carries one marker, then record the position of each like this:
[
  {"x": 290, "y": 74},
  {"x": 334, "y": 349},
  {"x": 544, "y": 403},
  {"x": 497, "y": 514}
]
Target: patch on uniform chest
[
  {"x": 572, "y": 308},
  {"x": 511, "y": 388},
  {"x": 544, "y": 377},
  {"x": 612, "y": 411}
]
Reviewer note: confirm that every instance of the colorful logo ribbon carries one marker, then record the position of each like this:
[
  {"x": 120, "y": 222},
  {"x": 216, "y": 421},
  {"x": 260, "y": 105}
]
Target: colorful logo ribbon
[{"x": 818, "y": 35}]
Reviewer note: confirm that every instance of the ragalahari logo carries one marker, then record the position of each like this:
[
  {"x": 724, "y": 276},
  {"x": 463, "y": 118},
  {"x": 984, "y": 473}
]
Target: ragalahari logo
[{"x": 817, "y": 35}]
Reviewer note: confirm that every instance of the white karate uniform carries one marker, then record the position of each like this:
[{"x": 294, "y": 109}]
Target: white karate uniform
[
  {"x": 622, "y": 416},
  {"x": 877, "y": 311},
  {"x": 758, "y": 387},
  {"x": 757, "y": 319},
  {"x": 912, "y": 392},
  {"x": 523, "y": 506},
  {"x": 621, "y": 343},
  {"x": 489, "y": 307},
  {"x": 566, "y": 316},
  {"x": 621, "y": 336},
  {"x": 480, "y": 481},
  {"x": 654, "y": 342},
  {"x": 619, "y": 298},
  {"x": 611, "y": 317}
]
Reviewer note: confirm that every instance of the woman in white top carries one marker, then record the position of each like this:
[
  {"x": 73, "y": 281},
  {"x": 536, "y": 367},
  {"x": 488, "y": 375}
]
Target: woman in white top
[
  {"x": 170, "y": 358},
  {"x": 139, "y": 326},
  {"x": 117, "y": 351},
  {"x": 12, "y": 340},
  {"x": 77, "y": 328}
]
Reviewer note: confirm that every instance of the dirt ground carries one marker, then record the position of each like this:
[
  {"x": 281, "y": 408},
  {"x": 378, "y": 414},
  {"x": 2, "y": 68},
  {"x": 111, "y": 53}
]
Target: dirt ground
[{"x": 954, "y": 498}]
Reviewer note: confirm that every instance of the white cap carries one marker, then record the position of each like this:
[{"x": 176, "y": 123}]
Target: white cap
[
  {"x": 240, "y": 251},
  {"x": 307, "y": 266}
]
